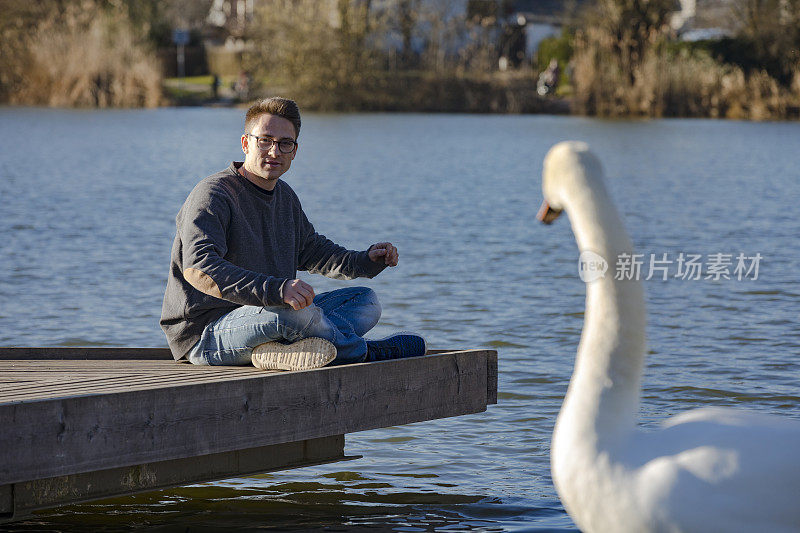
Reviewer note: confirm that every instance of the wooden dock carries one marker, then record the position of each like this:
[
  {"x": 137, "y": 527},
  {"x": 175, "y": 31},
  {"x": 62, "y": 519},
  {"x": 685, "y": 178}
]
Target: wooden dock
[{"x": 78, "y": 424}]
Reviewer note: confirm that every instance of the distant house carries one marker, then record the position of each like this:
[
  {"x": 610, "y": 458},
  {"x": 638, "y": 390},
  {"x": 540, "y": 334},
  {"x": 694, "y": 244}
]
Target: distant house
[
  {"x": 703, "y": 19},
  {"x": 225, "y": 34},
  {"x": 231, "y": 15},
  {"x": 524, "y": 23},
  {"x": 544, "y": 18}
]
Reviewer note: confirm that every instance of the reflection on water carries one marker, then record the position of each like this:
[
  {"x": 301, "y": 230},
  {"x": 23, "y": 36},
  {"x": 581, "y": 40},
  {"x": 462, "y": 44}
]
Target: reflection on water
[
  {"x": 295, "y": 506},
  {"x": 87, "y": 224}
]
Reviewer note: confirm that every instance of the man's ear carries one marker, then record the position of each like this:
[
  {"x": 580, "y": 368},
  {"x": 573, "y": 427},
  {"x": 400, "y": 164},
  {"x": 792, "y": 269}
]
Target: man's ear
[{"x": 244, "y": 142}]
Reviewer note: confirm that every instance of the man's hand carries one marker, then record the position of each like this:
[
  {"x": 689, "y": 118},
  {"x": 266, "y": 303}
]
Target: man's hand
[
  {"x": 298, "y": 294},
  {"x": 384, "y": 252}
]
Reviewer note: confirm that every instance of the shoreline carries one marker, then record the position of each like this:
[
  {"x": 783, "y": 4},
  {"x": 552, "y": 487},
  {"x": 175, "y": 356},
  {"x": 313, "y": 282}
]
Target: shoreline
[{"x": 554, "y": 107}]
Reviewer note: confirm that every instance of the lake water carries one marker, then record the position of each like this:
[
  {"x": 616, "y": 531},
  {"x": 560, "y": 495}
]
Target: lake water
[{"x": 87, "y": 220}]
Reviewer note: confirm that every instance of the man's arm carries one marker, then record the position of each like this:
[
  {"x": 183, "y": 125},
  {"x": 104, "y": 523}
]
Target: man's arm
[
  {"x": 300, "y": 294},
  {"x": 201, "y": 227},
  {"x": 320, "y": 255}
]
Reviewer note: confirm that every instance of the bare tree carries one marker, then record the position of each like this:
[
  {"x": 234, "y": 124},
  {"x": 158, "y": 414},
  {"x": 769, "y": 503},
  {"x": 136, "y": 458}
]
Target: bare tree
[{"x": 772, "y": 29}]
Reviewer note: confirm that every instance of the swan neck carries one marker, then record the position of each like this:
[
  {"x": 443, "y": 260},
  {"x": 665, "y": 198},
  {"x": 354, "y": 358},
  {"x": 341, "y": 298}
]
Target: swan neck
[{"x": 603, "y": 397}]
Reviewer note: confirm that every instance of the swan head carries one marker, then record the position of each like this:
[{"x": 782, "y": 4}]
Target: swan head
[{"x": 569, "y": 168}]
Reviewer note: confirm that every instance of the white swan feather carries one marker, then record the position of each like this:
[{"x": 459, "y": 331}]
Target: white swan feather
[{"x": 710, "y": 469}]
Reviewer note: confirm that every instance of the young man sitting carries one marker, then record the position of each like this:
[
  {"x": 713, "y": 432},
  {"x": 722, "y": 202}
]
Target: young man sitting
[{"x": 232, "y": 296}]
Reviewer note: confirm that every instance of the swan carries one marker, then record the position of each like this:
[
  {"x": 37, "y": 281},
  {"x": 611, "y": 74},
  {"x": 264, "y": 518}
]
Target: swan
[{"x": 709, "y": 469}]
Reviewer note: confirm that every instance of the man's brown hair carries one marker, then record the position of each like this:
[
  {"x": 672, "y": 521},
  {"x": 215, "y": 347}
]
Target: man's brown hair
[{"x": 281, "y": 107}]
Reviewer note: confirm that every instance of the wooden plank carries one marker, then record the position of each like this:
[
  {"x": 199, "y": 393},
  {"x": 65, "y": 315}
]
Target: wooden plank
[
  {"x": 70, "y": 378},
  {"x": 80, "y": 353},
  {"x": 58, "y": 389},
  {"x": 65, "y": 436},
  {"x": 68, "y": 352},
  {"x": 21, "y": 498},
  {"x": 63, "y": 378},
  {"x": 491, "y": 377}
]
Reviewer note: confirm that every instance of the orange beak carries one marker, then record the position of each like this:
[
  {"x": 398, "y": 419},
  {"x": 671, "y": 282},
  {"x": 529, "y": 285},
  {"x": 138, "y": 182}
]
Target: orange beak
[{"x": 547, "y": 214}]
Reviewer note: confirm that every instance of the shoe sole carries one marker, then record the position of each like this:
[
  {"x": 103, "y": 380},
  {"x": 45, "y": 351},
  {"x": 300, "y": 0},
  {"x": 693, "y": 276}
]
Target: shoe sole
[
  {"x": 306, "y": 354},
  {"x": 414, "y": 333}
]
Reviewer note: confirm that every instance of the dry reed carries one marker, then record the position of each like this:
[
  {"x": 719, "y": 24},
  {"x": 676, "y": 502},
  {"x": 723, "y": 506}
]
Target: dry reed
[
  {"x": 686, "y": 86},
  {"x": 622, "y": 67},
  {"x": 87, "y": 57}
]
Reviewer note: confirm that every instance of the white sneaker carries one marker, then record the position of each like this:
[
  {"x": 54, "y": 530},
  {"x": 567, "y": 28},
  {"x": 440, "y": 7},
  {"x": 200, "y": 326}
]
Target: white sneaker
[{"x": 305, "y": 354}]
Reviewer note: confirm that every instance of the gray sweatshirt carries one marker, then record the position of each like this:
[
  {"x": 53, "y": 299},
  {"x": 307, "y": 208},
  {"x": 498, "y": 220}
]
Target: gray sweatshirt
[{"x": 237, "y": 245}]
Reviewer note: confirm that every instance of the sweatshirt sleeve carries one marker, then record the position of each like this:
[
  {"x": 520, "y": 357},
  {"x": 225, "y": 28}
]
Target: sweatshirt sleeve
[
  {"x": 320, "y": 255},
  {"x": 202, "y": 227}
]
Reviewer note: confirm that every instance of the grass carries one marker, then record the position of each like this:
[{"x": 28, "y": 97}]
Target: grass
[
  {"x": 196, "y": 90},
  {"x": 198, "y": 80}
]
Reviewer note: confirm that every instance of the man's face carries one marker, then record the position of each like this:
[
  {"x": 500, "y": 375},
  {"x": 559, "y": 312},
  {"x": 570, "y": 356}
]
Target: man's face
[{"x": 270, "y": 163}]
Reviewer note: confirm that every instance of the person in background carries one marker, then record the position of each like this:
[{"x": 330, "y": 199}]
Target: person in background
[
  {"x": 242, "y": 86},
  {"x": 215, "y": 83},
  {"x": 232, "y": 295},
  {"x": 549, "y": 78}
]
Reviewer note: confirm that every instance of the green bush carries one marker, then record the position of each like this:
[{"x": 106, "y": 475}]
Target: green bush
[
  {"x": 559, "y": 47},
  {"x": 735, "y": 51}
]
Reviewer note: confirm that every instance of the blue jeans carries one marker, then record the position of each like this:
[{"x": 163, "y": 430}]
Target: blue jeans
[{"x": 342, "y": 316}]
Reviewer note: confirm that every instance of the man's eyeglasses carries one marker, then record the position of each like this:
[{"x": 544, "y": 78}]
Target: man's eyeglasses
[{"x": 286, "y": 146}]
